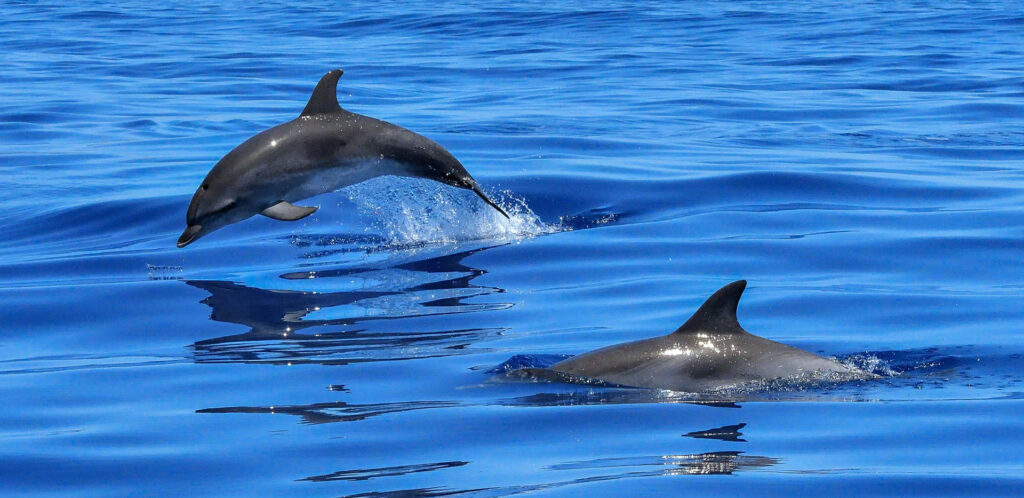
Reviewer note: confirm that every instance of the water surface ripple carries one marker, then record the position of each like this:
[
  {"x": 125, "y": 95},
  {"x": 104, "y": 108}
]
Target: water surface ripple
[{"x": 858, "y": 163}]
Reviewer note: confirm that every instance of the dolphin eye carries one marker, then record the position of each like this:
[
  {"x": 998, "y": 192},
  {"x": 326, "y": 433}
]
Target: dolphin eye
[{"x": 204, "y": 186}]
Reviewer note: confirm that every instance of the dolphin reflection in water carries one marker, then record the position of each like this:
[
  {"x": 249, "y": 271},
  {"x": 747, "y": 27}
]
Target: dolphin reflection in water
[{"x": 318, "y": 322}]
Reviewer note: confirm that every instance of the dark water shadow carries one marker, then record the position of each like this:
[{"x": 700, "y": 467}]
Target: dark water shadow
[
  {"x": 398, "y": 470},
  {"x": 316, "y": 324},
  {"x": 323, "y": 413},
  {"x": 338, "y": 411},
  {"x": 426, "y": 492},
  {"x": 725, "y": 433}
]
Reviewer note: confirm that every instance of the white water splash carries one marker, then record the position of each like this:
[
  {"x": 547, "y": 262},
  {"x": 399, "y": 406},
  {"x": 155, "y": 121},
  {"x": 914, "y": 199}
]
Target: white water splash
[
  {"x": 870, "y": 363},
  {"x": 409, "y": 211}
]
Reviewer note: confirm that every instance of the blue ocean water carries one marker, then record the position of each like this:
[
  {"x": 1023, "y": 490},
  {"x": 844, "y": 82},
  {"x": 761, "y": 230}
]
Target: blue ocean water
[{"x": 860, "y": 164}]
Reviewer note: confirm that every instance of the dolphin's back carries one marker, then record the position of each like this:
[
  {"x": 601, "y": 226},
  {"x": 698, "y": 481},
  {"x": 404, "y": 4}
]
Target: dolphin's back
[{"x": 710, "y": 351}]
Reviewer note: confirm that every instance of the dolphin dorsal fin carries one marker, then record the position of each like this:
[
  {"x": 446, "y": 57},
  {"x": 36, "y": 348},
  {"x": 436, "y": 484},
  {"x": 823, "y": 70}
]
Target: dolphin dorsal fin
[
  {"x": 718, "y": 313},
  {"x": 325, "y": 96}
]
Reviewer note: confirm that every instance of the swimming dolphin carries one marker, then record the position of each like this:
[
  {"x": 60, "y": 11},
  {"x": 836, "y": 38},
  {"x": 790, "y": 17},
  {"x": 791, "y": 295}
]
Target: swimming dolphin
[
  {"x": 710, "y": 351},
  {"x": 324, "y": 149}
]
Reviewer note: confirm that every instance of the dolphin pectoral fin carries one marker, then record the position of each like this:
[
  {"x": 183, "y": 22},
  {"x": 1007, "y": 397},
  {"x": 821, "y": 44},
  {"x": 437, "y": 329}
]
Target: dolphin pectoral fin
[
  {"x": 286, "y": 211},
  {"x": 718, "y": 313},
  {"x": 476, "y": 188}
]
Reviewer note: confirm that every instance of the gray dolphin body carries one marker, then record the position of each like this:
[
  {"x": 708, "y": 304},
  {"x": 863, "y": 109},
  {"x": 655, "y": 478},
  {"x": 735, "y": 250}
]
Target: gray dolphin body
[
  {"x": 710, "y": 351},
  {"x": 324, "y": 149}
]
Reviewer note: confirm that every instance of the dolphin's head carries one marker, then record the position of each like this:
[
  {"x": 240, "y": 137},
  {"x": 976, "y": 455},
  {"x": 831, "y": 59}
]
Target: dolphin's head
[
  {"x": 214, "y": 205},
  {"x": 236, "y": 187}
]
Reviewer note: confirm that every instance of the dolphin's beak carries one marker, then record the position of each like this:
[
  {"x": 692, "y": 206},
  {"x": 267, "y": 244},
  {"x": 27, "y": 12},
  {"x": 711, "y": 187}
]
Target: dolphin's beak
[{"x": 189, "y": 235}]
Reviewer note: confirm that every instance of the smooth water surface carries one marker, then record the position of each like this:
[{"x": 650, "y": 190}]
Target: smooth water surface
[{"x": 860, "y": 164}]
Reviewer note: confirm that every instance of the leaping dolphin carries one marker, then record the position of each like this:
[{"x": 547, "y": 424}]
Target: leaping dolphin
[
  {"x": 324, "y": 149},
  {"x": 708, "y": 352}
]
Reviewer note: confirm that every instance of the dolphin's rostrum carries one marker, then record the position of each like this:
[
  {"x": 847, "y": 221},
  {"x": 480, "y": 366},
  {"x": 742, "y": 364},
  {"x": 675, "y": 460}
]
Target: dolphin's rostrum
[
  {"x": 324, "y": 149},
  {"x": 708, "y": 352}
]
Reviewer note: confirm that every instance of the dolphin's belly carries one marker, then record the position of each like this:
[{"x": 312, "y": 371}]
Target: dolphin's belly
[{"x": 320, "y": 180}]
